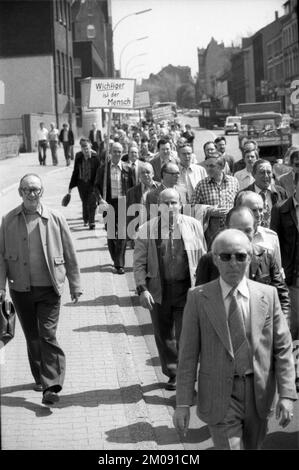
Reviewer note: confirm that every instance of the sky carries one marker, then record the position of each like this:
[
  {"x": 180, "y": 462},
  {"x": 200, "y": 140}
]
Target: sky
[{"x": 176, "y": 28}]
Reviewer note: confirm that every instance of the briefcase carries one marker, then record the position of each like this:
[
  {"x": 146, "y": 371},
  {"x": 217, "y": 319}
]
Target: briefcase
[
  {"x": 65, "y": 200},
  {"x": 7, "y": 321}
]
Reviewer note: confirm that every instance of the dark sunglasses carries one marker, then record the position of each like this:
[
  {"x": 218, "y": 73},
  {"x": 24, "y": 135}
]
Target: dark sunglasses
[{"x": 226, "y": 257}]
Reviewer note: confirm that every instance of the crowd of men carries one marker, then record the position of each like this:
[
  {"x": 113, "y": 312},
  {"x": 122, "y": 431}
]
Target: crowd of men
[{"x": 205, "y": 237}]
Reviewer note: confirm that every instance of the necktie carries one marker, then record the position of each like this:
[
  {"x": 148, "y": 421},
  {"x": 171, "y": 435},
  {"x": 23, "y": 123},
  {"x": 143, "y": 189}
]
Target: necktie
[
  {"x": 170, "y": 240},
  {"x": 267, "y": 211},
  {"x": 238, "y": 335}
]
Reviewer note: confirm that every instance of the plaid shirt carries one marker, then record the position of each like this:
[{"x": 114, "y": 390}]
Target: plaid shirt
[{"x": 211, "y": 193}]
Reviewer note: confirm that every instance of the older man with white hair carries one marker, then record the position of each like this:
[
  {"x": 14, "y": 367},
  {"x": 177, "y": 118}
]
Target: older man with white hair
[{"x": 234, "y": 330}]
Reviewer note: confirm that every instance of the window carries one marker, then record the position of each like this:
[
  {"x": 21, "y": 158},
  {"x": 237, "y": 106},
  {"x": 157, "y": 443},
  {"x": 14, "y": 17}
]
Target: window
[
  {"x": 63, "y": 73},
  {"x": 77, "y": 67},
  {"x": 71, "y": 77},
  {"x": 57, "y": 9},
  {"x": 64, "y": 12},
  {"x": 90, "y": 31},
  {"x": 58, "y": 65}
]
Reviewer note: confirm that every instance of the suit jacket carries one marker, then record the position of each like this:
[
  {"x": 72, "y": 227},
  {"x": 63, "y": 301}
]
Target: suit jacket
[
  {"x": 263, "y": 268},
  {"x": 126, "y": 180},
  {"x": 146, "y": 263},
  {"x": 134, "y": 195},
  {"x": 156, "y": 164},
  {"x": 70, "y": 136},
  {"x": 57, "y": 245},
  {"x": 198, "y": 173},
  {"x": 278, "y": 194},
  {"x": 98, "y": 139},
  {"x": 94, "y": 164},
  {"x": 205, "y": 338},
  {"x": 286, "y": 181},
  {"x": 284, "y": 222}
]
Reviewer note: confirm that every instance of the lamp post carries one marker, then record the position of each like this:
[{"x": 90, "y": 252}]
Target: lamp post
[
  {"x": 130, "y": 60},
  {"x": 125, "y": 47},
  {"x": 131, "y": 14}
]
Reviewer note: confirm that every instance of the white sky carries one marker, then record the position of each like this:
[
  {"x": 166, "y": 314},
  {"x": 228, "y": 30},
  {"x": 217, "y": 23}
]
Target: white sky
[{"x": 175, "y": 28}]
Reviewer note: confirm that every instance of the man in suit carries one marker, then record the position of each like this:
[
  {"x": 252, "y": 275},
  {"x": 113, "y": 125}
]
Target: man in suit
[
  {"x": 263, "y": 267},
  {"x": 136, "y": 197},
  {"x": 287, "y": 180},
  {"x": 164, "y": 156},
  {"x": 95, "y": 137},
  {"x": 235, "y": 329},
  {"x": 263, "y": 184},
  {"x": 167, "y": 251},
  {"x": 83, "y": 176},
  {"x": 285, "y": 221},
  {"x": 133, "y": 161},
  {"x": 169, "y": 178},
  {"x": 118, "y": 180},
  {"x": 190, "y": 173},
  {"x": 66, "y": 137},
  {"x": 36, "y": 254}
]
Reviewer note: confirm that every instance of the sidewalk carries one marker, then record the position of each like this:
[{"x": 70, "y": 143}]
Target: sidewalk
[{"x": 113, "y": 397}]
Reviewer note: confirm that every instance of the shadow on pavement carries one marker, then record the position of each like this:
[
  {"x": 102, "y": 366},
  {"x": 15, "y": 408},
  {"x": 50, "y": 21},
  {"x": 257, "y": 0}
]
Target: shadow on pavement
[
  {"x": 132, "y": 330},
  {"x": 153, "y": 361},
  {"x": 21, "y": 402},
  {"x": 106, "y": 300},
  {"x": 162, "y": 435},
  {"x": 281, "y": 440}
]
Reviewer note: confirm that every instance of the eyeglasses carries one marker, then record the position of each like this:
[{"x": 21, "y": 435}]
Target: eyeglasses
[
  {"x": 239, "y": 257},
  {"x": 171, "y": 173},
  {"x": 35, "y": 191}
]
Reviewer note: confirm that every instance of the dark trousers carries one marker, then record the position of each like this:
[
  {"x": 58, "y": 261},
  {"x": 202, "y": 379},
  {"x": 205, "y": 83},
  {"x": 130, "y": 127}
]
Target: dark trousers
[
  {"x": 116, "y": 245},
  {"x": 67, "y": 150},
  {"x": 89, "y": 202},
  {"x": 38, "y": 312},
  {"x": 167, "y": 320},
  {"x": 42, "y": 151}
]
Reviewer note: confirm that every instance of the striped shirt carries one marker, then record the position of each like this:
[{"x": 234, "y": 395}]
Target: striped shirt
[{"x": 115, "y": 175}]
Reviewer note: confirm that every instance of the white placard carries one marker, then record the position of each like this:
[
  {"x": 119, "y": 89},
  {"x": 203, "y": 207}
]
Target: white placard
[
  {"x": 142, "y": 100},
  {"x": 112, "y": 93}
]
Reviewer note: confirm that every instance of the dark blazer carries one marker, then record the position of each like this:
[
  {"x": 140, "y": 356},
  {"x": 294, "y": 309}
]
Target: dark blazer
[
  {"x": 98, "y": 137},
  {"x": 70, "y": 136},
  {"x": 284, "y": 222},
  {"x": 126, "y": 180},
  {"x": 94, "y": 161},
  {"x": 278, "y": 193},
  {"x": 134, "y": 195},
  {"x": 156, "y": 164},
  {"x": 239, "y": 165},
  {"x": 263, "y": 268}
]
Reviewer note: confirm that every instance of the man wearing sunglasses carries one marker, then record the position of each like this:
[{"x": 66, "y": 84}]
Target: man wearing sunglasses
[
  {"x": 235, "y": 329},
  {"x": 36, "y": 254}
]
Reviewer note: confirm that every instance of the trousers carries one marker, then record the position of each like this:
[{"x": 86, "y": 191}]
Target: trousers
[
  {"x": 38, "y": 312},
  {"x": 89, "y": 202}
]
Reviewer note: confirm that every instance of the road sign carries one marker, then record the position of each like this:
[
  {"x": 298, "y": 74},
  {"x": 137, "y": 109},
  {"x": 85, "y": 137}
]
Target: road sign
[
  {"x": 163, "y": 113},
  {"x": 112, "y": 93},
  {"x": 142, "y": 100}
]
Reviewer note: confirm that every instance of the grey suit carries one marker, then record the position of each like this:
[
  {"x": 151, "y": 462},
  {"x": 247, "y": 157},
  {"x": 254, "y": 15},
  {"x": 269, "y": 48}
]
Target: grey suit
[{"x": 205, "y": 336}]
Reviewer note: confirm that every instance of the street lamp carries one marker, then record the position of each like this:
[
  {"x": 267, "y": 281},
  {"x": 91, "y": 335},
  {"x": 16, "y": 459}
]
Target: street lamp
[
  {"x": 131, "y": 14},
  {"x": 124, "y": 48},
  {"x": 132, "y": 58}
]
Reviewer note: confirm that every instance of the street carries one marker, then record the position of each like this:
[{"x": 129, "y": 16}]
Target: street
[{"x": 114, "y": 396}]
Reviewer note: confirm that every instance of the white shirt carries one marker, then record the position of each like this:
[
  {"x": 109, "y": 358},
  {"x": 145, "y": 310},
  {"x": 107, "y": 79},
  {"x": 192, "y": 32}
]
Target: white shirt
[
  {"x": 244, "y": 177},
  {"x": 267, "y": 238},
  {"x": 42, "y": 134},
  {"x": 115, "y": 175}
]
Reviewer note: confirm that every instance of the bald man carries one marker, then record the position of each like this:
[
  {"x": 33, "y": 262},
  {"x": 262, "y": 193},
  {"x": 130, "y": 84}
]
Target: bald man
[
  {"x": 167, "y": 250},
  {"x": 36, "y": 254},
  {"x": 233, "y": 328}
]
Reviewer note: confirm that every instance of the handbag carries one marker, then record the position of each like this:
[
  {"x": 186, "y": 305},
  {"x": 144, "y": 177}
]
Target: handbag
[
  {"x": 7, "y": 321},
  {"x": 65, "y": 200}
]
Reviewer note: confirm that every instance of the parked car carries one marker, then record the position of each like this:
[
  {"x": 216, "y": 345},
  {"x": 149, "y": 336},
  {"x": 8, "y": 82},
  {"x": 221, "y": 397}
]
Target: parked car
[
  {"x": 193, "y": 113},
  {"x": 232, "y": 125}
]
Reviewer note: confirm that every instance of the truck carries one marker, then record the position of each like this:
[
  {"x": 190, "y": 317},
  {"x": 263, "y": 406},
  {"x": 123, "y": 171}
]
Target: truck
[{"x": 264, "y": 123}]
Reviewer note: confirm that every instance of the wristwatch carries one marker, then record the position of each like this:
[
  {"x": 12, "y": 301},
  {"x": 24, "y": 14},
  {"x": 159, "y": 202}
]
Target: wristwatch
[{"x": 140, "y": 289}]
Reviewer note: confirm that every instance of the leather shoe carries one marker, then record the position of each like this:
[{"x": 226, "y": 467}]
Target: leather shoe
[
  {"x": 171, "y": 384},
  {"x": 120, "y": 271},
  {"x": 92, "y": 226},
  {"x": 38, "y": 387},
  {"x": 49, "y": 398}
]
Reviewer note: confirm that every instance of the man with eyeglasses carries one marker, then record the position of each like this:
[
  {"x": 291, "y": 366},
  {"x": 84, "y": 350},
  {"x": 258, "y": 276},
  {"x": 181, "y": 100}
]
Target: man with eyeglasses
[
  {"x": 234, "y": 330},
  {"x": 36, "y": 254}
]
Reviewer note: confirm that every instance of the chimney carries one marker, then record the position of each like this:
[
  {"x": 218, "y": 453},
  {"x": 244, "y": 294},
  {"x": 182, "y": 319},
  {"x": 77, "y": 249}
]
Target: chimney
[{"x": 276, "y": 15}]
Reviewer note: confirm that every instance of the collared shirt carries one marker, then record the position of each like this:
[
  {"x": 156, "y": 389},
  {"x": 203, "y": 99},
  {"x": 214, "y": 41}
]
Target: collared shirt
[
  {"x": 53, "y": 135},
  {"x": 244, "y": 177},
  {"x": 115, "y": 174},
  {"x": 267, "y": 238},
  {"x": 85, "y": 169},
  {"x": 268, "y": 195},
  {"x": 243, "y": 302},
  {"x": 184, "y": 180},
  {"x": 42, "y": 134},
  {"x": 134, "y": 166}
]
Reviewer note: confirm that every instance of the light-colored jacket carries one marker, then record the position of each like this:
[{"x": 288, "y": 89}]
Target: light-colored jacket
[
  {"x": 57, "y": 245},
  {"x": 146, "y": 263},
  {"x": 205, "y": 338}
]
